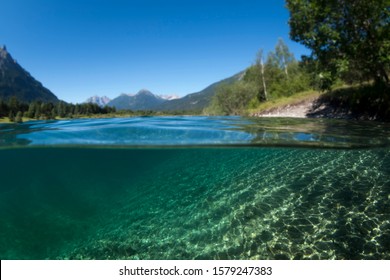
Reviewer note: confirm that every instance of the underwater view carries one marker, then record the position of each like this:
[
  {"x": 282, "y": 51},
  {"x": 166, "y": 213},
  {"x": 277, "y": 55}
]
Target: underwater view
[{"x": 157, "y": 188}]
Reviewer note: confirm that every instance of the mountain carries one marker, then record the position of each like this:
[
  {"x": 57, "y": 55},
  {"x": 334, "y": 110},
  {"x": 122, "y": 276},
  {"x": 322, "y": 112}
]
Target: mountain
[
  {"x": 197, "y": 101},
  {"x": 101, "y": 101},
  {"x": 15, "y": 81},
  {"x": 169, "y": 97},
  {"x": 143, "y": 100}
]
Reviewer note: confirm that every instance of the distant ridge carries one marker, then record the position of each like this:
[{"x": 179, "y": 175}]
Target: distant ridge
[
  {"x": 199, "y": 100},
  {"x": 143, "y": 100},
  {"x": 15, "y": 81},
  {"x": 99, "y": 100}
]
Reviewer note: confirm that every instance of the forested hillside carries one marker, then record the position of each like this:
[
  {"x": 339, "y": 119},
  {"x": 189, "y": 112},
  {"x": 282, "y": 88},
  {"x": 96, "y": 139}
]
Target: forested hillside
[{"x": 349, "y": 61}]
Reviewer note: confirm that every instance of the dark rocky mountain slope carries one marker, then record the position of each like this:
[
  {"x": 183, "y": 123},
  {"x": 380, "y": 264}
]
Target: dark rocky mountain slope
[{"x": 15, "y": 81}]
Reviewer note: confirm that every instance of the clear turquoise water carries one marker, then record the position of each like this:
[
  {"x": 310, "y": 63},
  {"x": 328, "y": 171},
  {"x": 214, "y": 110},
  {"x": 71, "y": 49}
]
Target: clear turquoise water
[{"x": 195, "y": 188}]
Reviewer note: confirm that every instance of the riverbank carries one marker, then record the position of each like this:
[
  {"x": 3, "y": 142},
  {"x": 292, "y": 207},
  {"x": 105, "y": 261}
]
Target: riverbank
[
  {"x": 312, "y": 107},
  {"x": 364, "y": 102},
  {"x": 299, "y": 105},
  {"x": 6, "y": 120},
  {"x": 97, "y": 116},
  {"x": 297, "y": 109}
]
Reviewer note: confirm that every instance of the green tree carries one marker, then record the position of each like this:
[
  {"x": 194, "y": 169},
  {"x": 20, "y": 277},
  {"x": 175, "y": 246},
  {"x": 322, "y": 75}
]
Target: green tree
[
  {"x": 344, "y": 35},
  {"x": 76, "y": 109},
  {"x": 19, "y": 117},
  {"x": 37, "y": 111},
  {"x": 11, "y": 116},
  {"x": 13, "y": 104},
  {"x": 275, "y": 75},
  {"x": 32, "y": 107},
  {"x": 3, "y": 108},
  {"x": 280, "y": 75},
  {"x": 61, "y": 109},
  {"x": 233, "y": 99},
  {"x": 260, "y": 64},
  {"x": 283, "y": 56}
]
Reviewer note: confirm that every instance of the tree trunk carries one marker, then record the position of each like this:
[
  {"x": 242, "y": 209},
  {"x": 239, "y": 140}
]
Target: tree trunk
[
  {"x": 263, "y": 78},
  {"x": 285, "y": 66}
]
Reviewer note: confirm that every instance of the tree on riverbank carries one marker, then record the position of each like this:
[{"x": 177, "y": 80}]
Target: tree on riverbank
[
  {"x": 349, "y": 39},
  {"x": 280, "y": 75}
]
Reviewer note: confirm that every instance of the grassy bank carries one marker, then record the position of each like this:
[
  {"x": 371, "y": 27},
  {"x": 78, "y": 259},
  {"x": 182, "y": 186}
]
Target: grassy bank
[
  {"x": 284, "y": 101},
  {"x": 359, "y": 102},
  {"x": 6, "y": 120},
  {"x": 362, "y": 102}
]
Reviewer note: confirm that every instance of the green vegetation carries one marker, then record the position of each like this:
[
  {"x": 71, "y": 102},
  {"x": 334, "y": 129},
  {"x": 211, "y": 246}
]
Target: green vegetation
[
  {"x": 280, "y": 76},
  {"x": 17, "y": 111},
  {"x": 350, "y": 44},
  {"x": 360, "y": 102},
  {"x": 233, "y": 99},
  {"x": 284, "y": 101},
  {"x": 349, "y": 39}
]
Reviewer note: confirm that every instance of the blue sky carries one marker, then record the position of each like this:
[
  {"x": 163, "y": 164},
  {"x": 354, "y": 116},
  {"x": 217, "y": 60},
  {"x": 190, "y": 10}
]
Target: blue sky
[{"x": 82, "y": 48}]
